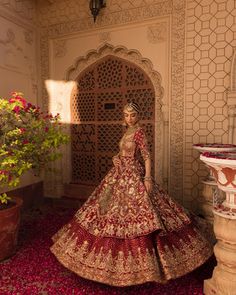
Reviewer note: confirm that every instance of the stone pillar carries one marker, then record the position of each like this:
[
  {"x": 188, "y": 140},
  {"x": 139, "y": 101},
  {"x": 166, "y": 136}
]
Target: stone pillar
[
  {"x": 211, "y": 195},
  {"x": 206, "y": 200},
  {"x": 223, "y": 281}
]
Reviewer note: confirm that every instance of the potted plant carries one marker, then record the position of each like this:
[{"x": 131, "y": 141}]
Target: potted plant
[{"x": 29, "y": 139}]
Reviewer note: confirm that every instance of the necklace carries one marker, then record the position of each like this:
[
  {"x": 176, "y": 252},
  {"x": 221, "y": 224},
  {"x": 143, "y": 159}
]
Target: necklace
[{"x": 131, "y": 129}]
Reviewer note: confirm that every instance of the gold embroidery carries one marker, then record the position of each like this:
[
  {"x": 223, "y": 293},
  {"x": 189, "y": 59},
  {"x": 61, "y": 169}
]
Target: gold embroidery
[
  {"x": 180, "y": 260},
  {"x": 120, "y": 208},
  {"x": 143, "y": 265},
  {"x": 122, "y": 236},
  {"x": 103, "y": 267}
]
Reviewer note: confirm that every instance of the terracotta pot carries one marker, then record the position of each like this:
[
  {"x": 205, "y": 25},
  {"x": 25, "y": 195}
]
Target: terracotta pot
[{"x": 9, "y": 226}]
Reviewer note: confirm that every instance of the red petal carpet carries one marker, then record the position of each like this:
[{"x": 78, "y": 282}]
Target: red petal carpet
[{"x": 34, "y": 270}]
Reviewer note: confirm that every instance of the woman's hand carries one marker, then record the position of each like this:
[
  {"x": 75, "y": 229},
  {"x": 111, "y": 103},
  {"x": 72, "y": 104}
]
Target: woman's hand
[
  {"x": 148, "y": 184},
  {"x": 116, "y": 161}
]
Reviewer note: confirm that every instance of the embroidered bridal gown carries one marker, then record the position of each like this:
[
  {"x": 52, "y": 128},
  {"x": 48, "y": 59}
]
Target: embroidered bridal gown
[{"x": 122, "y": 236}]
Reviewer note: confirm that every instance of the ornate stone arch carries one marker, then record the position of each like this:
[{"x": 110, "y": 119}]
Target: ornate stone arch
[{"x": 136, "y": 58}]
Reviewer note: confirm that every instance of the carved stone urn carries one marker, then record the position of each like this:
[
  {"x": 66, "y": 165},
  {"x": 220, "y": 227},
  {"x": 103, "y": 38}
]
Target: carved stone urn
[
  {"x": 211, "y": 195},
  {"x": 223, "y": 167}
]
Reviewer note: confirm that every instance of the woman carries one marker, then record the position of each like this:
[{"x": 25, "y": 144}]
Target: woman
[{"x": 130, "y": 231}]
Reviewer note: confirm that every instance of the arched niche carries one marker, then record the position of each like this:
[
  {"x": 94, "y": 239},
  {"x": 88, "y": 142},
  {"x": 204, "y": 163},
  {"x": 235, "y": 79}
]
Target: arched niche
[{"x": 145, "y": 66}]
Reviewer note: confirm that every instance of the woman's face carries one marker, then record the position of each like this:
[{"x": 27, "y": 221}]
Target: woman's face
[{"x": 131, "y": 118}]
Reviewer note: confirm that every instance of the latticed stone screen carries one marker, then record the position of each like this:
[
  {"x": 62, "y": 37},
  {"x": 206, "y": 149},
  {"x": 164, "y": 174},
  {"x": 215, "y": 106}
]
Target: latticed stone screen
[{"x": 97, "y": 113}]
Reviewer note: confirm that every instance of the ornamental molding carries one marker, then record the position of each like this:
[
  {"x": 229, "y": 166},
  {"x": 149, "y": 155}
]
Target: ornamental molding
[
  {"x": 177, "y": 100},
  {"x": 60, "y": 48},
  {"x": 104, "y": 37},
  {"x": 16, "y": 18},
  {"x": 14, "y": 53},
  {"x": 133, "y": 56},
  {"x": 157, "y": 33},
  {"x": 9, "y": 39},
  {"x": 134, "y": 15},
  {"x": 29, "y": 37}
]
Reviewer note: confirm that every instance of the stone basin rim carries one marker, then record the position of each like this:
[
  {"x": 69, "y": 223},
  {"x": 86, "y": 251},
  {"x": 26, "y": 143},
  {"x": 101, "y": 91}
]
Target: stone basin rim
[
  {"x": 214, "y": 147},
  {"x": 219, "y": 145},
  {"x": 221, "y": 161}
]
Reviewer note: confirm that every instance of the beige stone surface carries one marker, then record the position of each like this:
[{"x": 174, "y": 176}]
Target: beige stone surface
[
  {"x": 210, "y": 31},
  {"x": 223, "y": 281},
  {"x": 18, "y": 55}
]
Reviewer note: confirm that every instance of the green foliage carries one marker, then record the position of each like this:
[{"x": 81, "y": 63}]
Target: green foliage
[
  {"x": 4, "y": 198},
  {"x": 29, "y": 139}
]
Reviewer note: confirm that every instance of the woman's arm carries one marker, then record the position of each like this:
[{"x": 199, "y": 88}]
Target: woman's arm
[
  {"x": 147, "y": 177},
  {"x": 116, "y": 161},
  {"x": 141, "y": 141}
]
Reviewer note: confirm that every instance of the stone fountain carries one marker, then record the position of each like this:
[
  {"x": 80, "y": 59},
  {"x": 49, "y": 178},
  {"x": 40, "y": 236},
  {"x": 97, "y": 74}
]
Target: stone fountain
[
  {"x": 223, "y": 167},
  {"x": 211, "y": 195}
]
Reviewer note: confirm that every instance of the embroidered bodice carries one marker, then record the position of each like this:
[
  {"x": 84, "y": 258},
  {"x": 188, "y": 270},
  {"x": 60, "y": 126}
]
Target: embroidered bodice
[{"x": 133, "y": 141}]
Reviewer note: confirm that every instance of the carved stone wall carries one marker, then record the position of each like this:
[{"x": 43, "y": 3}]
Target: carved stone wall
[
  {"x": 56, "y": 26},
  {"x": 194, "y": 104},
  {"x": 25, "y": 9},
  {"x": 18, "y": 61},
  {"x": 18, "y": 54},
  {"x": 210, "y": 41},
  {"x": 69, "y": 12}
]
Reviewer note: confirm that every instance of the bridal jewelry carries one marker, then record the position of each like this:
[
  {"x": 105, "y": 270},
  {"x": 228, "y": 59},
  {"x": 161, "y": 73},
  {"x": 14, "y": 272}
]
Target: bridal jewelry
[{"x": 131, "y": 129}]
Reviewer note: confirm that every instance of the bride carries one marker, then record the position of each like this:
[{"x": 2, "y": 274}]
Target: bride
[{"x": 130, "y": 231}]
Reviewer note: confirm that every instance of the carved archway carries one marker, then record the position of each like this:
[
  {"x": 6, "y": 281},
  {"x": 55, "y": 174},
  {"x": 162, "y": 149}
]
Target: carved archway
[{"x": 144, "y": 66}]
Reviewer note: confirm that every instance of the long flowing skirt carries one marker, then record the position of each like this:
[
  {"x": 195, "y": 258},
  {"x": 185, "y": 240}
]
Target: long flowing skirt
[{"x": 122, "y": 236}]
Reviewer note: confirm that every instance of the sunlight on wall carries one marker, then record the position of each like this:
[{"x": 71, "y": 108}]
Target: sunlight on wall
[{"x": 59, "y": 93}]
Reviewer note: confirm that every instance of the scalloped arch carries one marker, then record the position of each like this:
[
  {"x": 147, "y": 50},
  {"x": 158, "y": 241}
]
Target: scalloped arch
[{"x": 133, "y": 56}]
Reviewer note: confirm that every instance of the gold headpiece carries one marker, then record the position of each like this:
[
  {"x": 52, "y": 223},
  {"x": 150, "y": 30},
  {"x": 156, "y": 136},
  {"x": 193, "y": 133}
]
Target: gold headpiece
[{"x": 132, "y": 107}]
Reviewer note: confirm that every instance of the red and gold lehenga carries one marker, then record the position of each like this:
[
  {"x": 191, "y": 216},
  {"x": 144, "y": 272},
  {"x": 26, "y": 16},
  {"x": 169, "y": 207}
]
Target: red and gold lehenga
[{"x": 122, "y": 236}]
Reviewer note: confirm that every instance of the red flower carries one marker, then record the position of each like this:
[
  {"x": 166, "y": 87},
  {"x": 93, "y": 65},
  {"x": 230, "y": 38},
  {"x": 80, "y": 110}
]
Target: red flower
[
  {"x": 22, "y": 130},
  {"x": 18, "y": 98},
  {"x": 12, "y": 100},
  {"x": 4, "y": 172},
  {"x": 16, "y": 109}
]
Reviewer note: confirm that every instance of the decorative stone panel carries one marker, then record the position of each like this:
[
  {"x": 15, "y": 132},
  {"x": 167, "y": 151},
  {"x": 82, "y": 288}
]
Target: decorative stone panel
[
  {"x": 24, "y": 8},
  {"x": 210, "y": 41}
]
